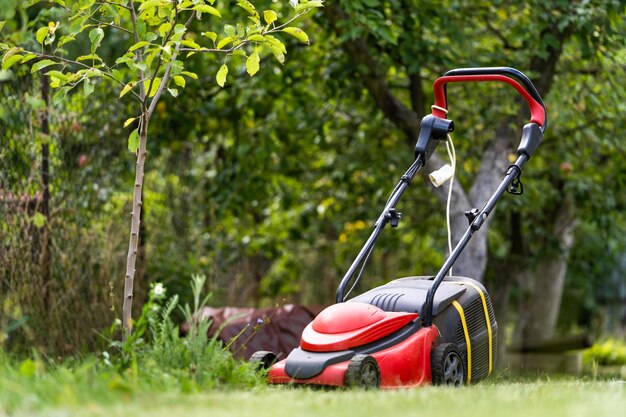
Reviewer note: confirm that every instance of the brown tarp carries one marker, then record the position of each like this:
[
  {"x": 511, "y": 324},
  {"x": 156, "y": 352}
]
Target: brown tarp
[{"x": 274, "y": 329}]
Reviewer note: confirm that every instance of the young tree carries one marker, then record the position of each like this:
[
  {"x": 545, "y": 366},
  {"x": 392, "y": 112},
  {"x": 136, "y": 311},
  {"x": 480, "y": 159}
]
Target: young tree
[{"x": 156, "y": 40}]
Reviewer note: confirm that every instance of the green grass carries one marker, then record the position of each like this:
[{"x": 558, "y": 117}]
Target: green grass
[{"x": 530, "y": 398}]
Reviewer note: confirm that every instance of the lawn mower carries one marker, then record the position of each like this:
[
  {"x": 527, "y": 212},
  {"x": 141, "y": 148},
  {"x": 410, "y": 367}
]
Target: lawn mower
[{"x": 416, "y": 330}]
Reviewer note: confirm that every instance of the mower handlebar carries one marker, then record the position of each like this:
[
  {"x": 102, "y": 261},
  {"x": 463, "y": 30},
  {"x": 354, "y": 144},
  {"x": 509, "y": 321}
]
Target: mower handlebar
[{"x": 507, "y": 75}]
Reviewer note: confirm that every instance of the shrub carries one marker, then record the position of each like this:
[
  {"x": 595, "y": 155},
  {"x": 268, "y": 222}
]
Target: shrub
[{"x": 608, "y": 353}]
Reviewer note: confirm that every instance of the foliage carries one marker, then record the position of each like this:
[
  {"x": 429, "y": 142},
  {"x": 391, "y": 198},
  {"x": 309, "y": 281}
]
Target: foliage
[
  {"x": 153, "y": 359},
  {"x": 607, "y": 353},
  {"x": 156, "y": 345},
  {"x": 269, "y": 187},
  {"x": 158, "y": 45}
]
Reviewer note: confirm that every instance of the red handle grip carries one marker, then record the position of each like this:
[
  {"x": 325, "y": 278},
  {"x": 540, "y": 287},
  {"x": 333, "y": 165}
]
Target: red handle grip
[{"x": 537, "y": 112}]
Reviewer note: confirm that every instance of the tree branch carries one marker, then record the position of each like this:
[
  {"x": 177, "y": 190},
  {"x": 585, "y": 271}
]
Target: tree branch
[
  {"x": 244, "y": 41},
  {"x": 164, "y": 81},
  {"x": 499, "y": 35},
  {"x": 373, "y": 77}
]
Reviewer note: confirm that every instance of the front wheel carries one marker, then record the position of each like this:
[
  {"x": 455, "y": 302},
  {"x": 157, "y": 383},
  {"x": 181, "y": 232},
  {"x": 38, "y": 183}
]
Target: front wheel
[
  {"x": 363, "y": 372},
  {"x": 447, "y": 365}
]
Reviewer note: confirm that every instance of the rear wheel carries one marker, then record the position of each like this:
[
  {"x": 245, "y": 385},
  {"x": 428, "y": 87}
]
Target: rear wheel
[
  {"x": 363, "y": 372},
  {"x": 447, "y": 365},
  {"x": 264, "y": 359}
]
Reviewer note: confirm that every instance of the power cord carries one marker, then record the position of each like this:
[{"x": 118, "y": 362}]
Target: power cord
[
  {"x": 441, "y": 176},
  {"x": 452, "y": 155}
]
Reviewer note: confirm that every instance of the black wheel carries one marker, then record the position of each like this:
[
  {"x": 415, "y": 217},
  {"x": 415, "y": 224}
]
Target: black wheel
[
  {"x": 363, "y": 372},
  {"x": 264, "y": 359},
  {"x": 447, "y": 365}
]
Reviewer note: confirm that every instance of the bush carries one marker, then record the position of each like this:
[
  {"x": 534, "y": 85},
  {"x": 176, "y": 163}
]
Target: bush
[
  {"x": 195, "y": 361},
  {"x": 608, "y": 353}
]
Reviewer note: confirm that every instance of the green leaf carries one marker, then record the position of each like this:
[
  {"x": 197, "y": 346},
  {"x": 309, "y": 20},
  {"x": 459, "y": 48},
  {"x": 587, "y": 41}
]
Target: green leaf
[
  {"x": 155, "y": 86},
  {"x": 27, "y": 58},
  {"x": 2, "y": 23},
  {"x": 6, "y": 64},
  {"x": 173, "y": 92},
  {"x": 11, "y": 52},
  {"x": 278, "y": 54},
  {"x": 180, "y": 81},
  {"x": 138, "y": 45},
  {"x": 230, "y": 30},
  {"x": 248, "y": 7},
  {"x": 129, "y": 121},
  {"x": 60, "y": 95},
  {"x": 177, "y": 67},
  {"x": 275, "y": 42},
  {"x": 270, "y": 16},
  {"x": 126, "y": 89},
  {"x": 303, "y": 7},
  {"x": 93, "y": 72},
  {"x": 205, "y": 8},
  {"x": 133, "y": 141},
  {"x": 297, "y": 33},
  {"x": 256, "y": 38},
  {"x": 252, "y": 63},
  {"x": 89, "y": 57},
  {"x": 141, "y": 66},
  {"x": 65, "y": 39},
  {"x": 58, "y": 75},
  {"x": 190, "y": 43},
  {"x": 149, "y": 4},
  {"x": 96, "y": 35},
  {"x": 192, "y": 75},
  {"x": 42, "y": 64},
  {"x": 88, "y": 87},
  {"x": 164, "y": 29},
  {"x": 221, "y": 75},
  {"x": 41, "y": 34},
  {"x": 210, "y": 35},
  {"x": 224, "y": 42}
]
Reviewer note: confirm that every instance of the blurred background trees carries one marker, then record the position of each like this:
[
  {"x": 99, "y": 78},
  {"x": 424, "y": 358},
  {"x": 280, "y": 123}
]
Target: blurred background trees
[{"x": 270, "y": 185}]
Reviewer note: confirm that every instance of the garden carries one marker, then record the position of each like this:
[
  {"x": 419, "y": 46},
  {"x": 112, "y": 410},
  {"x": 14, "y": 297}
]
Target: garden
[{"x": 158, "y": 158}]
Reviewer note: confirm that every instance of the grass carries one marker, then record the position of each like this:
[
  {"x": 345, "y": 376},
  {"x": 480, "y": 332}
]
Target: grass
[
  {"x": 531, "y": 398},
  {"x": 158, "y": 373}
]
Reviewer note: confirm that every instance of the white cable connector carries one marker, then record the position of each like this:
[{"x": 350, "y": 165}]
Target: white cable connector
[{"x": 442, "y": 175}]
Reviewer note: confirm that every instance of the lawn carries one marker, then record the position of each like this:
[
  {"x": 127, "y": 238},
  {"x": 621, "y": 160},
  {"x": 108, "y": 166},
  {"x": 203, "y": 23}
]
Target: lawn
[{"x": 530, "y": 398}]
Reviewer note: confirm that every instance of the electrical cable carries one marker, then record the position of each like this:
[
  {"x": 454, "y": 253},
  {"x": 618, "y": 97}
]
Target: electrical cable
[{"x": 452, "y": 155}]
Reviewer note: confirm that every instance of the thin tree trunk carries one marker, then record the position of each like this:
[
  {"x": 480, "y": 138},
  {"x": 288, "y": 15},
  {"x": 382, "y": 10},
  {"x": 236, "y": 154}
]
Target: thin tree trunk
[
  {"x": 44, "y": 236},
  {"x": 131, "y": 258}
]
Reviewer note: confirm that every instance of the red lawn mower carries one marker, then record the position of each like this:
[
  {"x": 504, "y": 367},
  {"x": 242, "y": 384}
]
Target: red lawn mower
[{"x": 415, "y": 330}]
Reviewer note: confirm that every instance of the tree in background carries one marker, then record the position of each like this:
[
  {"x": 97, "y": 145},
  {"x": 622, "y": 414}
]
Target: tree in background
[
  {"x": 157, "y": 32},
  {"x": 396, "y": 45}
]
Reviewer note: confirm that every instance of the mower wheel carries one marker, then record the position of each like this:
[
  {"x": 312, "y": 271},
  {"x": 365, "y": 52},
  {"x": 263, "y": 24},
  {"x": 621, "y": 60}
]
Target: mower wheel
[
  {"x": 447, "y": 365},
  {"x": 363, "y": 372},
  {"x": 264, "y": 359}
]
